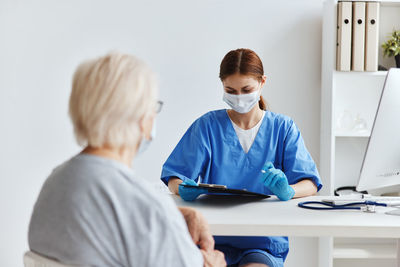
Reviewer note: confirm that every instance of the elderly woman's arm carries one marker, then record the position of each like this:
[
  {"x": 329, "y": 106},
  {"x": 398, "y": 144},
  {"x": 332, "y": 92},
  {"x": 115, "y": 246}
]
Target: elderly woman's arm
[
  {"x": 198, "y": 228},
  {"x": 200, "y": 232}
]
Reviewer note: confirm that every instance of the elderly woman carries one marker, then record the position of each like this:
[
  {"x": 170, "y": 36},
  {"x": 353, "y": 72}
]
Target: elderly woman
[{"x": 92, "y": 210}]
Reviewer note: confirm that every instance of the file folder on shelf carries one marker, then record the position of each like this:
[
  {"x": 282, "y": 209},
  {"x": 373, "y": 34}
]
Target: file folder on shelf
[
  {"x": 358, "y": 36},
  {"x": 344, "y": 28},
  {"x": 371, "y": 36}
]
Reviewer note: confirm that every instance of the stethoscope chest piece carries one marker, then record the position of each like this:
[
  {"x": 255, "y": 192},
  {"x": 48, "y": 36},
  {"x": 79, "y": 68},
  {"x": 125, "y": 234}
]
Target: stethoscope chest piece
[{"x": 368, "y": 208}]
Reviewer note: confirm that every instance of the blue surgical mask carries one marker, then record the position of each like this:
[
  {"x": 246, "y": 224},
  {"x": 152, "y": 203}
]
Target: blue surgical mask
[{"x": 145, "y": 143}]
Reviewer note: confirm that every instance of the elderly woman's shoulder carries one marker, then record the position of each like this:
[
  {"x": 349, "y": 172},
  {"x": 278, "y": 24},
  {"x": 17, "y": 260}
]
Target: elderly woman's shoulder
[
  {"x": 90, "y": 172},
  {"x": 91, "y": 178}
]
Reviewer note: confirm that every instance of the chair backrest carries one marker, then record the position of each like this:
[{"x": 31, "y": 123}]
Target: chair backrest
[{"x": 32, "y": 259}]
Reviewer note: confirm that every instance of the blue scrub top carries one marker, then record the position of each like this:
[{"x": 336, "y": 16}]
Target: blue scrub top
[{"x": 210, "y": 150}]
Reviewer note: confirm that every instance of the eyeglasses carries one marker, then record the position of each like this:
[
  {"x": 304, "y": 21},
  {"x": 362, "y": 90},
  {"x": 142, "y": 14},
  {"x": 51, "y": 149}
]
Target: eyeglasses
[{"x": 159, "y": 106}]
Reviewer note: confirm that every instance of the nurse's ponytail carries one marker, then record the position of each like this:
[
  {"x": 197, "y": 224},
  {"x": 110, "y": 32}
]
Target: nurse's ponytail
[
  {"x": 246, "y": 62},
  {"x": 262, "y": 103}
]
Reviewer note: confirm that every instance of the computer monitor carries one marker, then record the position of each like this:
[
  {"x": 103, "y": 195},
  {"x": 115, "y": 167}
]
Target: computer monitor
[{"x": 380, "y": 171}]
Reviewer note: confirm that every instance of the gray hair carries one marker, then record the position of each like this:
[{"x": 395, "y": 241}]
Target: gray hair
[{"x": 110, "y": 95}]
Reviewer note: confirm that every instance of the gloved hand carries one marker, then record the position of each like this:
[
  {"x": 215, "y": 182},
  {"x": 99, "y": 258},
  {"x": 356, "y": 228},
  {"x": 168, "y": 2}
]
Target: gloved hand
[
  {"x": 190, "y": 193},
  {"x": 276, "y": 181}
]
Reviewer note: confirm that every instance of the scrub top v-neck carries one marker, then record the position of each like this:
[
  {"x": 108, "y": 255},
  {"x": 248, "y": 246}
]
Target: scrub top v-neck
[{"x": 246, "y": 137}]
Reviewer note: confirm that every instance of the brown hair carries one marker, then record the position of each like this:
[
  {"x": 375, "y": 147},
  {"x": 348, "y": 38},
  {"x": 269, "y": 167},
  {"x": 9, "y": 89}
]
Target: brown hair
[{"x": 243, "y": 61}]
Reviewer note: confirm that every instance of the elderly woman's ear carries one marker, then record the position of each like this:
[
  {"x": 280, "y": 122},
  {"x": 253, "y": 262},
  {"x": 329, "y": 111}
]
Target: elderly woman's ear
[
  {"x": 147, "y": 130},
  {"x": 146, "y": 125}
]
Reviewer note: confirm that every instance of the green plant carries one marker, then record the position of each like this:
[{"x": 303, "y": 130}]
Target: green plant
[{"x": 391, "y": 47}]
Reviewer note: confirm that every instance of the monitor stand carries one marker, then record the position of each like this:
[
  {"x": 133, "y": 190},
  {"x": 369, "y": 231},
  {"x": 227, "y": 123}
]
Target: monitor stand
[{"x": 392, "y": 191}]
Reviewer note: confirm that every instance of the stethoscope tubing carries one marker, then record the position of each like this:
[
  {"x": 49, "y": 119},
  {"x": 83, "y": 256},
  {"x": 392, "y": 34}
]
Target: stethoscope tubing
[{"x": 332, "y": 206}]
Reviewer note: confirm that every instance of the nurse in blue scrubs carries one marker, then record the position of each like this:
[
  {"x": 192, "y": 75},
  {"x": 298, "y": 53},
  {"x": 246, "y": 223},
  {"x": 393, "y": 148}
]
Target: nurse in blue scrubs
[{"x": 246, "y": 146}]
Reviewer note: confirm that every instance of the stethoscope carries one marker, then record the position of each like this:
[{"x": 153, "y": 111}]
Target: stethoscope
[
  {"x": 362, "y": 205},
  {"x": 365, "y": 206}
]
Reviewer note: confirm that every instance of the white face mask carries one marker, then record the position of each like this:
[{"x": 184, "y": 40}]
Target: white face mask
[
  {"x": 145, "y": 143},
  {"x": 242, "y": 103}
]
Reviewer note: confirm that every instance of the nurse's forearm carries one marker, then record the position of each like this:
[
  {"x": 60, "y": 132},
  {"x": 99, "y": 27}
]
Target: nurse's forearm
[
  {"x": 173, "y": 185},
  {"x": 304, "y": 188}
]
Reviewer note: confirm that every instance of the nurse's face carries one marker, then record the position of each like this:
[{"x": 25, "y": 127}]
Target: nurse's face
[{"x": 238, "y": 84}]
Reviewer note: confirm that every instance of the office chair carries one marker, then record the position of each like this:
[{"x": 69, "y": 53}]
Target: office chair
[{"x": 32, "y": 259}]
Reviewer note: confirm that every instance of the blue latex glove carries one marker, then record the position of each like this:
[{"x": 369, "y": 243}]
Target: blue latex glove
[
  {"x": 190, "y": 194},
  {"x": 276, "y": 181}
]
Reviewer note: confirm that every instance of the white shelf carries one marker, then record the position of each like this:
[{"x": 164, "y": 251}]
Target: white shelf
[
  {"x": 352, "y": 134},
  {"x": 361, "y": 251},
  {"x": 360, "y": 73}
]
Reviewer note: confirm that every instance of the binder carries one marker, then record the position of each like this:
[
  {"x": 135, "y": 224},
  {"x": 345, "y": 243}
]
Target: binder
[
  {"x": 358, "y": 36},
  {"x": 344, "y": 22},
  {"x": 371, "y": 36}
]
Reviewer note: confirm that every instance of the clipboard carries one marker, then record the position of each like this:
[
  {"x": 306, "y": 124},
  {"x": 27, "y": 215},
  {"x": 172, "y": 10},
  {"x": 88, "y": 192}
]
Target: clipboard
[{"x": 223, "y": 189}]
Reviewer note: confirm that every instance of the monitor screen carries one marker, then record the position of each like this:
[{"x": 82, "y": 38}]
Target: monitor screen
[{"x": 381, "y": 164}]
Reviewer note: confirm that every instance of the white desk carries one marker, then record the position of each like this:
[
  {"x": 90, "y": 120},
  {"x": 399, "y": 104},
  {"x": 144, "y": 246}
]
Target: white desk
[{"x": 270, "y": 217}]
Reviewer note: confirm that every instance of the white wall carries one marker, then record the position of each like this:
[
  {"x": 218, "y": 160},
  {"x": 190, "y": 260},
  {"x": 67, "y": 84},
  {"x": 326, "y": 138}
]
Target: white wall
[{"x": 41, "y": 43}]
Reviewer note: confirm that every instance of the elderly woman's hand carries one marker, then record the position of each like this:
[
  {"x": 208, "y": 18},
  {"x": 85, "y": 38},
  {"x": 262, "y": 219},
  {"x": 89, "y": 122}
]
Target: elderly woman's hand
[
  {"x": 213, "y": 258},
  {"x": 198, "y": 228}
]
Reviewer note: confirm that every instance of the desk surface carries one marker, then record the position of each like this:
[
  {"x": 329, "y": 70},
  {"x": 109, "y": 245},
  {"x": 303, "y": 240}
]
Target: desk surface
[{"x": 244, "y": 216}]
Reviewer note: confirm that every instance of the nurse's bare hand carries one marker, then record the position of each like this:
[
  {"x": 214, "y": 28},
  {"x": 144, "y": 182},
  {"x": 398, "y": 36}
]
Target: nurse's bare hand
[
  {"x": 213, "y": 258},
  {"x": 198, "y": 228}
]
